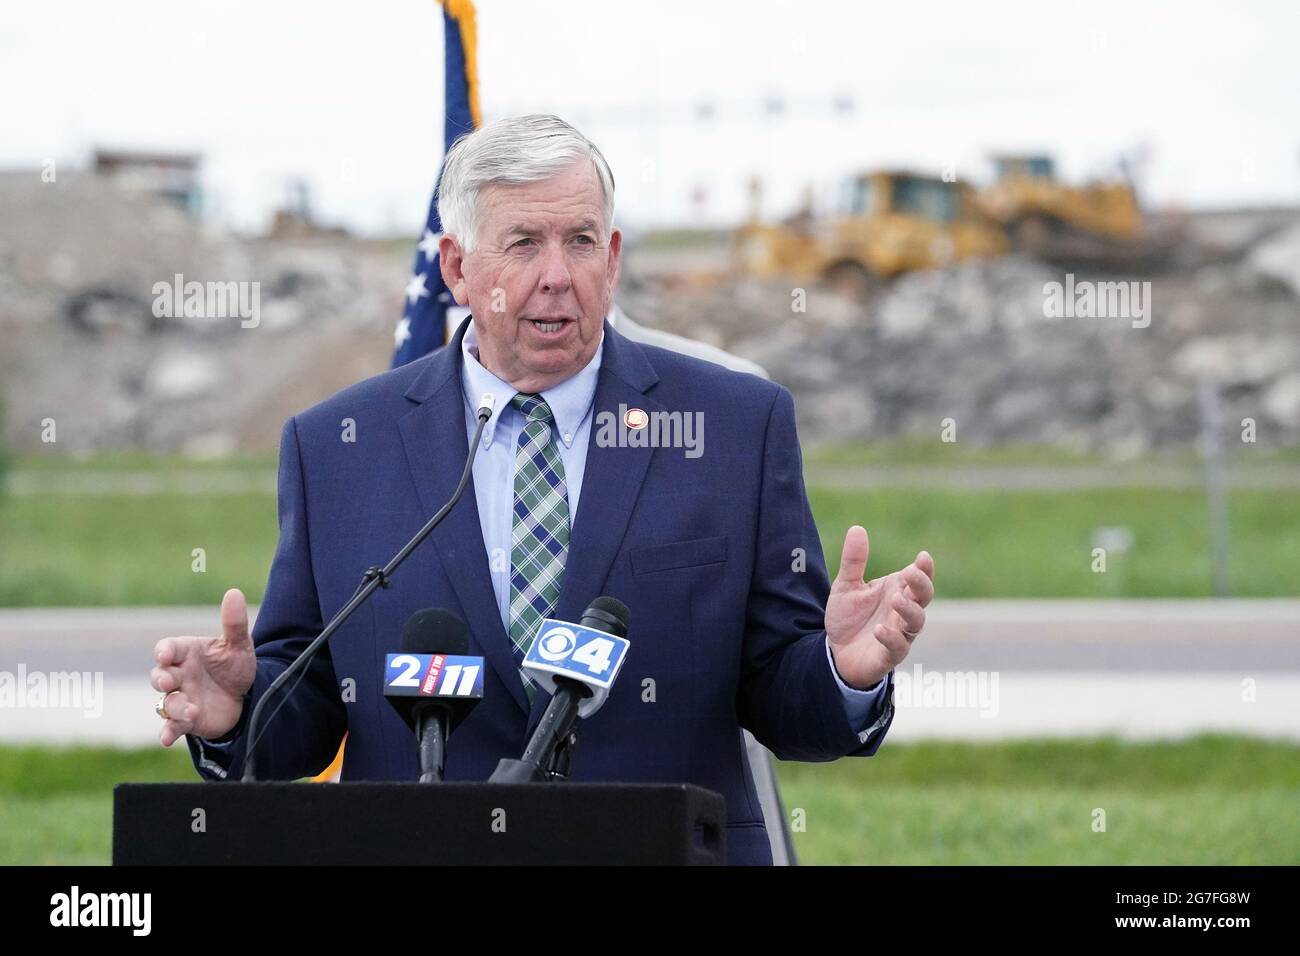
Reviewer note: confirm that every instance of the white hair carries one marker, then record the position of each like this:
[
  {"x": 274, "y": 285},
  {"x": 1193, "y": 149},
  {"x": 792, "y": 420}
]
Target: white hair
[{"x": 517, "y": 149}]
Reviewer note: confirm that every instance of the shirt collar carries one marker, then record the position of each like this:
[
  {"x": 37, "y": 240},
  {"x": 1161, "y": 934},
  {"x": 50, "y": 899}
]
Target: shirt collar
[{"x": 569, "y": 401}]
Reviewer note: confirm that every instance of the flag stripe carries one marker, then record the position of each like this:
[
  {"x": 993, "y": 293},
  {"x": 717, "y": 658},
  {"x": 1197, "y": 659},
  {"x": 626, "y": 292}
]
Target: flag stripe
[{"x": 424, "y": 318}]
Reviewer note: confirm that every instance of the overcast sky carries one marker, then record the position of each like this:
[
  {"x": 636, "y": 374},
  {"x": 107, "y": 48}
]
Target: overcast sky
[{"x": 348, "y": 95}]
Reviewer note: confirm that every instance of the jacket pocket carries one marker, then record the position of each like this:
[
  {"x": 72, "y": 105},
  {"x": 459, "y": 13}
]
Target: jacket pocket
[{"x": 680, "y": 554}]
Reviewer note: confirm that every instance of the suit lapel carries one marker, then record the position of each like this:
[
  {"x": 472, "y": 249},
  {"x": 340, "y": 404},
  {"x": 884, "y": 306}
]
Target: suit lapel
[
  {"x": 433, "y": 434},
  {"x": 611, "y": 483}
]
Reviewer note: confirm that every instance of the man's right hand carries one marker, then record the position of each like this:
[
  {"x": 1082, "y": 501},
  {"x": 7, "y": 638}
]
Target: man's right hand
[{"x": 211, "y": 674}]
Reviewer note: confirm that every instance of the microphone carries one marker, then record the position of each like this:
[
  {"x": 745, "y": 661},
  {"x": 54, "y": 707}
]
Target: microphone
[
  {"x": 433, "y": 684},
  {"x": 577, "y": 664},
  {"x": 373, "y": 579}
]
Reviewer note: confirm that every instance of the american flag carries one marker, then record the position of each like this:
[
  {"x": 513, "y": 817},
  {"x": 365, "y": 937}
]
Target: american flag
[{"x": 424, "y": 315}]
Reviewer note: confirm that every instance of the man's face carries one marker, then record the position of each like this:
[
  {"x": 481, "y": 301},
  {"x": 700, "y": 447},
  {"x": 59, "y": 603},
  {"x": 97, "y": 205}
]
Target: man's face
[{"x": 541, "y": 278}]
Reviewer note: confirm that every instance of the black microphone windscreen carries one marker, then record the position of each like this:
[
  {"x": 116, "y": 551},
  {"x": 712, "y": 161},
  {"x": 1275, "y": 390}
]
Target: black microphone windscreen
[
  {"x": 608, "y": 614},
  {"x": 435, "y": 631}
]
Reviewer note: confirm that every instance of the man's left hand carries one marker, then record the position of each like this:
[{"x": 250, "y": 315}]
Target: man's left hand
[{"x": 871, "y": 624}]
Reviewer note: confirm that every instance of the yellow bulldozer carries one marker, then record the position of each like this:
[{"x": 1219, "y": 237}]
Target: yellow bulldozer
[
  {"x": 887, "y": 223},
  {"x": 1046, "y": 217}
]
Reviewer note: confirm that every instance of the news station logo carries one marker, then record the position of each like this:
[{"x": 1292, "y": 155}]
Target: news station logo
[{"x": 433, "y": 675}]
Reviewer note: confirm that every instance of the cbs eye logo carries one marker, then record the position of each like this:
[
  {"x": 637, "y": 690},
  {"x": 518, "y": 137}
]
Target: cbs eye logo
[{"x": 558, "y": 644}]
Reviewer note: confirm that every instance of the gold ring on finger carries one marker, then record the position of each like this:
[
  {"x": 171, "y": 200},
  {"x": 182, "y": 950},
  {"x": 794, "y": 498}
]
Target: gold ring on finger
[{"x": 160, "y": 708}]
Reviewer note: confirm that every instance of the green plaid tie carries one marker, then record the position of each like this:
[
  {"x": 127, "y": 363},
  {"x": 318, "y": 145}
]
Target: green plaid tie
[{"x": 539, "y": 539}]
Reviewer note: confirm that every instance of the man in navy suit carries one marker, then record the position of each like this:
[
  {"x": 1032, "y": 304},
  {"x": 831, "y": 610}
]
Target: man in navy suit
[{"x": 706, "y": 534}]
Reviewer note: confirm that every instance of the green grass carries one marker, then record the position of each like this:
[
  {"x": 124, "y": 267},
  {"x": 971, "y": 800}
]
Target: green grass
[
  {"x": 1018, "y": 826},
  {"x": 56, "y": 804},
  {"x": 1206, "y": 800},
  {"x": 922, "y": 452},
  {"x": 1210, "y": 800},
  {"x": 75, "y": 549},
  {"x": 139, "y": 461},
  {"x": 1039, "y": 544},
  {"x": 904, "y": 451},
  {"x": 71, "y": 550},
  {"x": 684, "y": 239}
]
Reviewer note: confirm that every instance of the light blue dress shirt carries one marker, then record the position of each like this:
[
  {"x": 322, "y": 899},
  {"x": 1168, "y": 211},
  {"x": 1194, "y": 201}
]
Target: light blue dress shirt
[{"x": 494, "y": 477}]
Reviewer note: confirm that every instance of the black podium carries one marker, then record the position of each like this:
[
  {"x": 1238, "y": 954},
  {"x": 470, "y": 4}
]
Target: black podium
[{"x": 177, "y": 824}]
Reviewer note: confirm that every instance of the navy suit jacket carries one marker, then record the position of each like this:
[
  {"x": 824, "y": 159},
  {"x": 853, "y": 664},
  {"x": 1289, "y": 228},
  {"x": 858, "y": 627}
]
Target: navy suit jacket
[{"x": 701, "y": 550}]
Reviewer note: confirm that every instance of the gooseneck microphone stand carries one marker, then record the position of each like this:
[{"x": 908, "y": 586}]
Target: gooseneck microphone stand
[{"x": 372, "y": 580}]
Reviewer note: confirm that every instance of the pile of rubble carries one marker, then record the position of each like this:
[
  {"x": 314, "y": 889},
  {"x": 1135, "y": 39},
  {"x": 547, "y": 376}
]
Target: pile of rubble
[
  {"x": 83, "y": 265},
  {"x": 979, "y": 344}
]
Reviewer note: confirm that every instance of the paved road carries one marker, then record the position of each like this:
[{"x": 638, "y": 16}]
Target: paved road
[{"x": 983, "y": 669}]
